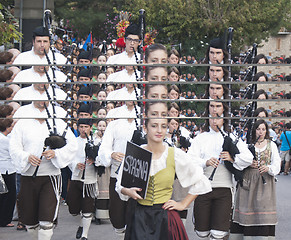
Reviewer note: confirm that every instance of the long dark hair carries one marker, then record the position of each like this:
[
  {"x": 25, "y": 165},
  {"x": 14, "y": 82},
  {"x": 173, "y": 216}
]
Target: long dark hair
[
  {"x": 206, "y": 126},
  {"x": 256, "y": 125},
  {"x": 225, "y": 56}
]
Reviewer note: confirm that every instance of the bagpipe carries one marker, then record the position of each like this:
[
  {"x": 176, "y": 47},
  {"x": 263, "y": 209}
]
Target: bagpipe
[
  {"x": 229, "y": 146},
  {"x": 179, "y": 141},
  {"x": 54, "y": 140},
  {"x": 138, "y": 135},
  {"x": 91, "y": 152}
]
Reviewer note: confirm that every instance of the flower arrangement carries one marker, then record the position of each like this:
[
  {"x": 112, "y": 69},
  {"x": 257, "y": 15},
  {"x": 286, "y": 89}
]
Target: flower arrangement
[
  {"x": 150, "y": 37},
  {"x": 123, "y": 23}
]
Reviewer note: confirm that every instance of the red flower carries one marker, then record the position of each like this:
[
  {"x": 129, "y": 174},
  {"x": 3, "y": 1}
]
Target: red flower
[{"x": 120, "y": 43}]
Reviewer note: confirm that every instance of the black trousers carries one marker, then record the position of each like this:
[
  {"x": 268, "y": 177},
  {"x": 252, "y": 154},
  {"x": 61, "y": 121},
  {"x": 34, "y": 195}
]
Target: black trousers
[
  {"x": 36, "y": 200},
  {"x": 75, "y": 199},
  {"x": 7, "y": 200},
  {"x": 66, "y": 176},
  {"x": 212, "y": 211},
  {"x": 117, "y": 207}
]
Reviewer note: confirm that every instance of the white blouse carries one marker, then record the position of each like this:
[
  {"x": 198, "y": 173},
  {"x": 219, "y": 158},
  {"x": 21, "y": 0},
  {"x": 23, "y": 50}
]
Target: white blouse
[
  {"x": 188, "y": 172},
  {"x": 5, "y": 159},
  {"x": 274, "y": 167}
]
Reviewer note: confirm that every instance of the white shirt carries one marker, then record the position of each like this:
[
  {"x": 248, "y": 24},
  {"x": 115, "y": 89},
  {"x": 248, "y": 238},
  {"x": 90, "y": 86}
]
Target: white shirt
[
  {"x": 90, "y": 172},
  {"x": 122, "y": 112},
  {"x": 30, "y": 57},
  {"x": 122, "y": 76},
  {"x": 122, "y": 58},
  {"x": 31, "y": 76},
  {"x": 189, "y": 174},
  {"x": 5, "y": 159},
  {"x": 29, "y": 111},
  {"x": 30, "y": 94},
  {"x": 122, "y": 94},
  {"x": 209, "y": 144},
  {"x": 115, "y": 138},
  {"x": 28, "y": 136}
]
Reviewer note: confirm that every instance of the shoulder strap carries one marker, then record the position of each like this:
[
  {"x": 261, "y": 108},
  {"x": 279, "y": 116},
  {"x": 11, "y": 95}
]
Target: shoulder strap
[{"x": 287, "y": 138}]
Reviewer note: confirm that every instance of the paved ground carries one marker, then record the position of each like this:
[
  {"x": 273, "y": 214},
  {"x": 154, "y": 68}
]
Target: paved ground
[{"x": 68, "y": 225}]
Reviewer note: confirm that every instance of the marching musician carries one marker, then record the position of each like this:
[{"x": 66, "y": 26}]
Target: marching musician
[
  {"x": 132, "y": 41},
  {"x": 212, "y": 211},
  {"x": 39, "y": 196},
  {"x": 83, "y": 187},
  {"x": 41, "y": 44},
  {"x": 216, "y": 53}
]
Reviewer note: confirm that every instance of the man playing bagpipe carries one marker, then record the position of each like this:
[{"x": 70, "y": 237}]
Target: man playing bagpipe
[
  {"x": 39, "y": 154},
  {"x": 83, "y": 188}
]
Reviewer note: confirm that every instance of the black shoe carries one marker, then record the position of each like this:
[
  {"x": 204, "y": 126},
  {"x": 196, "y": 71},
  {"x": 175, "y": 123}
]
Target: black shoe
[
  {"x": 83, "y": 238},
  {"x": 79, "y": 232},
  {"x": 98, "y": 221}
]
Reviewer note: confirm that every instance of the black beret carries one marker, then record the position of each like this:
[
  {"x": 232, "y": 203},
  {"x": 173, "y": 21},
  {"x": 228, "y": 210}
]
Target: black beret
[
  {"x": 85, "y": 90},
  {"x": 132, "y": 29},
  {"x": 217, "y": 43},
  {"x": 84, "y": 121},
  {"x": 84, "y": 55},
  {"x": 85, "y": 108},
  {"x": 84, "y": 73},
  {"x": 41, "y": 32}
]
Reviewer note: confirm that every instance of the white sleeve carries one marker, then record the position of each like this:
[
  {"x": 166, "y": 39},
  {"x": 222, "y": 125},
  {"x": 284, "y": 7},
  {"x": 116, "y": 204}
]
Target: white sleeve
[
  {"x": 194, "y": 152},
  {"x": 65, "y": 155},
  {"x": 19, "y": 157},
  {"x": 118, "y": 186},
  {"x": 106, "y": 147},
  {"x": 244, "y": 158},
  {"x": 274, "y": 167},
  {"x": 190, "y": 174}
]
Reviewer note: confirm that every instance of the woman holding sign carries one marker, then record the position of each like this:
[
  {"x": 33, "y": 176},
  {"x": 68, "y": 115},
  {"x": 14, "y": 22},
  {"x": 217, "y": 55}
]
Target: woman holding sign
[{"x": 155, "y": 216}]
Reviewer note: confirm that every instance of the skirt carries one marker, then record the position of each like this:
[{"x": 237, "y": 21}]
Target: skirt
[
  {"x": 255, "y": 208},
  {"x": 255, "y": 203},
  {"x": 153, "y": 222}
]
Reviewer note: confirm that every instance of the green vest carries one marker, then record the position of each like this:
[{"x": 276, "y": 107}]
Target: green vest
[{"x": 160, "y": 186}]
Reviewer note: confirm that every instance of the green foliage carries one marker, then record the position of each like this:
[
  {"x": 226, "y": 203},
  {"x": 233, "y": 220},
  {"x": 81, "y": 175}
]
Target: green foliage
[
  {"x": 83, "y": 16},
  {"x": 181, "y": 20},
  {"x": 8, "y": 26}
]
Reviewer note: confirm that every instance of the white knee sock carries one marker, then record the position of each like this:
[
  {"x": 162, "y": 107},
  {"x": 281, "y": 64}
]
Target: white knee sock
[
  {"x": 45, "y": 231},
  {"x": 120, "y": 233},
  {"x": 217, "y": 235},
  {"x": 33, "y": 231},
  {"x": 86, "y": 221}
]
